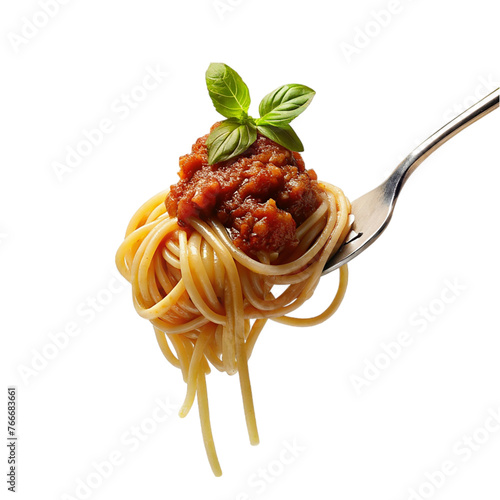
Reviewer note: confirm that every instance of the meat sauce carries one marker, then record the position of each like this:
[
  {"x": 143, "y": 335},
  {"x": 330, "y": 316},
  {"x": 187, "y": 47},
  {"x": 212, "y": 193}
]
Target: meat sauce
[{"x": 260, "y": 196}]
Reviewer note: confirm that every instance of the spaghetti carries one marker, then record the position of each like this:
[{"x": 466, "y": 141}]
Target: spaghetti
[{"x": 208, "y": 300}]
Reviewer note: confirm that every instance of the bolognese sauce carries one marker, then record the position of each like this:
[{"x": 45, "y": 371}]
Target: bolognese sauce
[{"x": 260, "y": 196}]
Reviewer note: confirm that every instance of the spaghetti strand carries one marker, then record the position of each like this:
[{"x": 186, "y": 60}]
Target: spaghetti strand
[{"x": 208, "y": 301}]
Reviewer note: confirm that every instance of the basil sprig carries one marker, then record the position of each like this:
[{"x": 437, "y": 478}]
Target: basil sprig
[
  {"x": 230, "y": 136},
  {"x": 231, "y": 98},
  {"x": 228, "y": 91},
  {"x": 283, "y": 135},
  {"x": 282, "y": 105}
]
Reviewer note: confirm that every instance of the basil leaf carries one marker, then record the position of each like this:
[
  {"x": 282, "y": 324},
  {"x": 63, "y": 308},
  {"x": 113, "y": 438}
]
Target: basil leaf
[
  {"x": 283, "y": 135},
  {"x": 227, "y": 90},
  {"x": 284, "y": 104},
  {"x": 230, "y": 139}
]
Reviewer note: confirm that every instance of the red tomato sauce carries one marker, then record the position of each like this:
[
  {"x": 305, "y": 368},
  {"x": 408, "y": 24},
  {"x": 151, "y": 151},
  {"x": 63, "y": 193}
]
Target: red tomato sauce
[{"x": 260, "y": 196}]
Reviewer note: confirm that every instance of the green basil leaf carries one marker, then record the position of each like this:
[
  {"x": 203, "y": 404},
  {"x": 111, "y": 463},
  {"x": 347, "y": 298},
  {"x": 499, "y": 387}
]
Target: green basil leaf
[
  {"x": 283, "y": 135},
  {"x": 227, "y": 90},
  {"x": 284, "y": 104},
  {"x": 230, "y": 139}
]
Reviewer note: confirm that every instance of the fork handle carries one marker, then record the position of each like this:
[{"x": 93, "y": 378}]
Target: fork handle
[{"x": 420, "y": 153}]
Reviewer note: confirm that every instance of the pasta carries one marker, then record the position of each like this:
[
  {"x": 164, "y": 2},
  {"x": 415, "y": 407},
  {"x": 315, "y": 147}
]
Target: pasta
[{"x": 208, "y": 301}]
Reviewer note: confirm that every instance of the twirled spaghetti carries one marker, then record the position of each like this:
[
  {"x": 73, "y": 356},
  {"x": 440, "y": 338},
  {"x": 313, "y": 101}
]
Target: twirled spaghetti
[{"x": 208, "y": 300}]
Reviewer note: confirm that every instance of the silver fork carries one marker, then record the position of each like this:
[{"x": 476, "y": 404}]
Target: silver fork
[{"x": 373, "y": 211}]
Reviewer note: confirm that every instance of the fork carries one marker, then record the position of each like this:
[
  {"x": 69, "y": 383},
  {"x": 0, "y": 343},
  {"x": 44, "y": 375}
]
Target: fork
[{"x": 373, "y": 211}]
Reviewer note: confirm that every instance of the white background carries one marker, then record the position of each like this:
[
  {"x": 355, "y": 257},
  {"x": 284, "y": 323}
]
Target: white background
[{"x": 59, "y": 236}]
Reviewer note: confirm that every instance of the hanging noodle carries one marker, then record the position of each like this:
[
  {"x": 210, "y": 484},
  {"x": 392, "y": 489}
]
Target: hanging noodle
[{"x": 208, "y": 301}]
